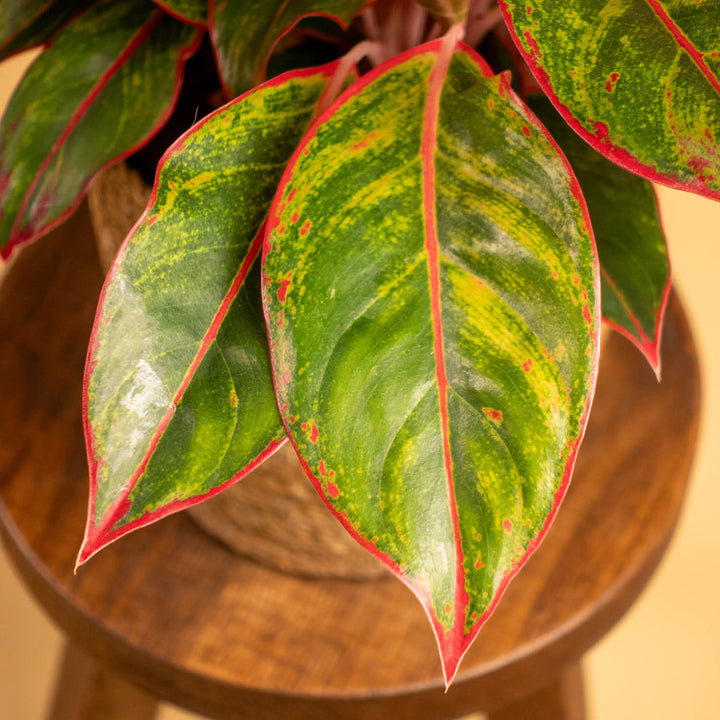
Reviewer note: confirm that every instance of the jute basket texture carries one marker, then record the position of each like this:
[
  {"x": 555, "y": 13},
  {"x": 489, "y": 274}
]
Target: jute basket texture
[{"x": 274, "y": 515}]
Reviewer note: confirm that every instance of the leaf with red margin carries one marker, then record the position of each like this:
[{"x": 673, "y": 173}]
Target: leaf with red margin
[
  {"x": 244, "y": 34},
  {"x": 634, "y": 264},
  {"x": 194, "y": 12},
  {"x": 104, "y": 87},
  {"x": 179, "y": 401},
  {"x": 431, "y": 293},
  {"x": 638, "y": 80},
  {"x": 27, "y": 24}
]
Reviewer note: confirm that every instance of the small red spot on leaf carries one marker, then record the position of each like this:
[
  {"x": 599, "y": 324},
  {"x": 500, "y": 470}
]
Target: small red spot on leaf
[
  {"x": 321, "y": 468},
  {"x": 333, "y": 490},
  {"x": 507, "y": 525},
  {"x": 479, "y": 563},
  {"x": 233, "y": 399},
  {"x": 305, "y": 228},
  {"x": 612, "y": 80},
  {"x": 282, "y": 292},
  {"x": 586, "y": 313},
  {"x": 526, "y": 130},
  {"x": 303, "y": 426},
  {"x": 152, "y": 220},
  {"x": 291, "y": 196},
  {"x": 294, "y": 217},
  {"x": 527, "y": 365},
  {"x": 493, "y": 415},
  {"x": 314, "y": 434}
]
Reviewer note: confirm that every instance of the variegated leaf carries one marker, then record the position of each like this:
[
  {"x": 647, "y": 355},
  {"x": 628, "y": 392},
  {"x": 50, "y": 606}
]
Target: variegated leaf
[
  {"x": 244, "y": 33},
  {"x": 431, "y": 293},
  {"x": 178, "y": 391},
  {"x": 107, "y": 83},
  {"x": 638, "y": 79}
]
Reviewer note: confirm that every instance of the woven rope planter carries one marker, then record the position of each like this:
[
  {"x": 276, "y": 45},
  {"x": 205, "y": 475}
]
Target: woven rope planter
[{"x": 274, "y": 515}]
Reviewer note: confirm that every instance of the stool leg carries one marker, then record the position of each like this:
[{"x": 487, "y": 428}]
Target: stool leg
[
  {"x": 563, "y": 699},
  {"x": 85, "y": 691}
]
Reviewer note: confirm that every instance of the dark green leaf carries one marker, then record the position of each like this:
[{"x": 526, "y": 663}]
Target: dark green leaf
[
  {"x": 26, "y": 24},
  {"x": 194, "y": 12},
  {"x": 244, "y": 34},
  {"x": 102, "y": 89},
  {"x": 634, "y": 264}
]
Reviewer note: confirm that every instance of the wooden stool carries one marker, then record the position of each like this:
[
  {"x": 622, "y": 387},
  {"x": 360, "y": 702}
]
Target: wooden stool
[{"x": 169, "y": 612}]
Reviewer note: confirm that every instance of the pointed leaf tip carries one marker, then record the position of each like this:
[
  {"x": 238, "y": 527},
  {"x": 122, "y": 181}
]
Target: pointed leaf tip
[
  {"x": 179, "y": 400},
  {"x": 438, "y": 399}
]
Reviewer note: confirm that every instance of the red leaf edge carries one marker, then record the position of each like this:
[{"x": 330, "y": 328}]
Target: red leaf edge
[
  {"x": 451, "y": 653},
  {"x": 180, "y": 16},
  {"x": 211, "y": 25},
  {"x": 649, "y": 347},
  {"x": 600, "y": 141},
  {"x": 22, "y": 238},
  {"x": 99, "y": 536},
  {"x": 29, "y": 22}
]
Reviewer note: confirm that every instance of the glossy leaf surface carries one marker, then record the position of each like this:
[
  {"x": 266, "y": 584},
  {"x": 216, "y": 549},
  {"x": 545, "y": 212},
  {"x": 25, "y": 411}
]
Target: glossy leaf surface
[
  {"x": 102, "y": 89},
  {"x": 179, "y": 395},
  {"x": 244, "y": 33},
  {"x": 194, "y": 12},
  {"x": 634, "y": 266},
  {"x": 27, "y": 24},
  {"x": 430, "y": 287},
  {"x": 639, "y": 80}
]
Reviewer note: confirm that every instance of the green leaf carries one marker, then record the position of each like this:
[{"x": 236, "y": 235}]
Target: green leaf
[
  {"x": 634, "y": 265},
  {"x": 178, "y": 392},
  {"x": 244, "y": 34},
  {"x": 194, "y": 12},
  {"x": 448, "y": 11},
  {"x": 638, "y": 79},
  {"x": 430, "y": 288},
  {"x": 26, "y": 24},
  {"x": 103, "y": 88}
]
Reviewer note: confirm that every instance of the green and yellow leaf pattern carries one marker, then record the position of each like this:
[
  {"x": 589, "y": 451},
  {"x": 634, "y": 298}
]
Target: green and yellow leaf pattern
[
  {"x": 638, "y": 79},
  {"x": 431, "y": 294},
  {"x": 179, "y": 400}
]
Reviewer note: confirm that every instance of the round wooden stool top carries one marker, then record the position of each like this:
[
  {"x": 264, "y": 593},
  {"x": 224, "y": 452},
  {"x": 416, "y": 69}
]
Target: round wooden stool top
[{"x": 181, "y": 616}]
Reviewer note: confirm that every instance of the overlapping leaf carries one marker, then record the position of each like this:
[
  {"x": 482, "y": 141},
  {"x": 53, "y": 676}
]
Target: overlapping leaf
[
  {"x": 244, "y": 34},
  {"x": 430, "y": 288},
  {"x": 194, "y": 12},
  {"x": 179, "y": 395},
  {"x": 639, "y": 80},
  {"x": 103, "y": 88},
  {"x": 634, "y": 265},
  {"x": 27, "y": 24}
]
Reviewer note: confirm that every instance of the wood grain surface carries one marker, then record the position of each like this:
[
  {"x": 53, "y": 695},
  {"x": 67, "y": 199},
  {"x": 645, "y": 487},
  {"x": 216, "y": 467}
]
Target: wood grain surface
[{"x": 176, "y": 613}]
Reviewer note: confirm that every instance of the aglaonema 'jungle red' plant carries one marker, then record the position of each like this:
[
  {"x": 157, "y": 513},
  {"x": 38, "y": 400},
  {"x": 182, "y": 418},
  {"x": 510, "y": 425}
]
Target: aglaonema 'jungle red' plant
[{"x": 380, "y": 253}]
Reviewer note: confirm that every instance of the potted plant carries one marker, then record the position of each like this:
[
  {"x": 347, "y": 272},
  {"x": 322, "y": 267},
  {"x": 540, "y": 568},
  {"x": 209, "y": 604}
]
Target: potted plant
[{"x": 379, "y": 254}]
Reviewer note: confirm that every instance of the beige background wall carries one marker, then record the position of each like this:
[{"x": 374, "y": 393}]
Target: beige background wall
[{"x": 661, "y": 662}]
